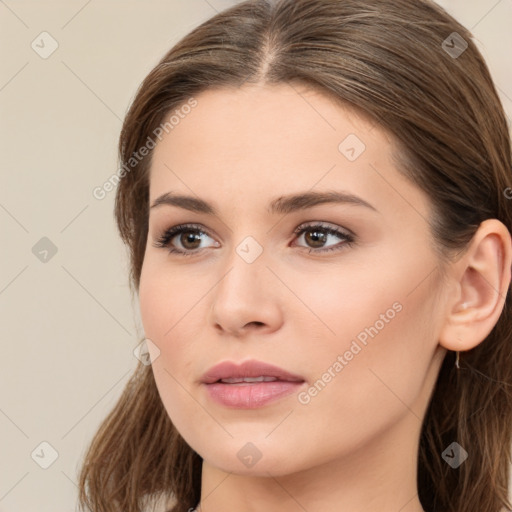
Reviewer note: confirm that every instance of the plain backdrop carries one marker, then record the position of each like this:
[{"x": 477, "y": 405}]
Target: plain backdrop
[{"x": 69, "y": 325}]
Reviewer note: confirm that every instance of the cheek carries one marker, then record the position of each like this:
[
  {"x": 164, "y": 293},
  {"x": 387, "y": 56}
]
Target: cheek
[
  {"x": 369, "y": 294},
  {"x": 166, "y": 298},
  {"x": 381, "y": 324},
  {"x": 163, "y": 313},
  {"x": 171, "y": 313},
  {"x": 386, "y": 341}
]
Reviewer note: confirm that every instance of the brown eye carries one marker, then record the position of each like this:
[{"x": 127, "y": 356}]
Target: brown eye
[
  {"x": 184, "y": 239},
  {"x": 320, "y": 238},
  {"x": 189, "y": 240},
  {"x": 315, "y": 238}
]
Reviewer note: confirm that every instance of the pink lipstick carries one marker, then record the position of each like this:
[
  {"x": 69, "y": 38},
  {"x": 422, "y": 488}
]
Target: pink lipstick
[{"x": 250, "y": 384}]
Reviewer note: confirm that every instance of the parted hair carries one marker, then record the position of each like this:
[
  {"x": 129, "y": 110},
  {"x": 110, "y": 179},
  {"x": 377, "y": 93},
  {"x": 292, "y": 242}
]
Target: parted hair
[{"x": 393, "y": 61}]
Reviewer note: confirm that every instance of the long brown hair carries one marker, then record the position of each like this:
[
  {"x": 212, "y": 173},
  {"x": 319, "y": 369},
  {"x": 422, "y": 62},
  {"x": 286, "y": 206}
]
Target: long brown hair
[{"x": 399, "y": 63}]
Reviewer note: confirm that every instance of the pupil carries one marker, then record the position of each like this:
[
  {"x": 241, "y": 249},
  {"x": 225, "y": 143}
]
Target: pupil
[
  {"x": 189, "y": 237},
  {"x": 316, "y": 237}
]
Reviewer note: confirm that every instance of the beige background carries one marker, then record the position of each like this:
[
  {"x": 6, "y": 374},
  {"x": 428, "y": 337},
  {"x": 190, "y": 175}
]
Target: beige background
[{"x": 68, "y": 325}]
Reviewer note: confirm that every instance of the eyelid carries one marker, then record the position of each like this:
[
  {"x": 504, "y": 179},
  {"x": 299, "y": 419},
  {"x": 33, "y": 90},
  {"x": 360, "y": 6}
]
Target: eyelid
[{"x": 324, "y": 225}]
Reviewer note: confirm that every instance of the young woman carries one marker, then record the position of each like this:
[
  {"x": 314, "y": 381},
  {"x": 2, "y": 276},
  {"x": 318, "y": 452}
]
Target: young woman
[{"x": 315, "y": 196}]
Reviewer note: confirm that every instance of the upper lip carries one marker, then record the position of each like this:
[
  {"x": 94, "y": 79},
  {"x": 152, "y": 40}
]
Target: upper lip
[{"x": 229, "y": 369}]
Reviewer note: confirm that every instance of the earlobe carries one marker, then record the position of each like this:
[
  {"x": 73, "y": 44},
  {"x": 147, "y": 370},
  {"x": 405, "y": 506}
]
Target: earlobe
[{"x": 483, "y": 278}]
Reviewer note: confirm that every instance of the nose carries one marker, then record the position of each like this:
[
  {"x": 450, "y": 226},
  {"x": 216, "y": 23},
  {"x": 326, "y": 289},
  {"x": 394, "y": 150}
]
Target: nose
[{"x": 246, "y": 299}]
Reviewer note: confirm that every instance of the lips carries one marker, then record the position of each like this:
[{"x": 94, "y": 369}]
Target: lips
[
  {"x": 249, "y": 385},
  {"x": 229, "y": 371}
]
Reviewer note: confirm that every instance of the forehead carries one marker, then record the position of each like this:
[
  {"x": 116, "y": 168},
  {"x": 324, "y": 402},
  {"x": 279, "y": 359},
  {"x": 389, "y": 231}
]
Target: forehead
[
  {"x": 256, "y": 142},
  {"x": 263, "y": 121}
]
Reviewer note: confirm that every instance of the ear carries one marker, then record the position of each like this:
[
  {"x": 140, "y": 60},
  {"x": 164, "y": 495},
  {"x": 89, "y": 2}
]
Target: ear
[{"x": 482, "y": 278}]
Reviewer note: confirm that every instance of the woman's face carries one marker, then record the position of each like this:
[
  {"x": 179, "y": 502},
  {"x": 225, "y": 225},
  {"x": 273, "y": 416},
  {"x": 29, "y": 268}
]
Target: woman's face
[{"x": 344, "y": 295}]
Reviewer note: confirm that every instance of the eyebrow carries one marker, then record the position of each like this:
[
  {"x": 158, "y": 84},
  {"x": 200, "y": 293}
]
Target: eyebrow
[{"x": 281, "y": 205}]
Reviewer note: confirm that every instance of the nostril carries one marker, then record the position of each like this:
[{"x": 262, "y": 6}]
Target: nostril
[{"x": 256, "y": 323}]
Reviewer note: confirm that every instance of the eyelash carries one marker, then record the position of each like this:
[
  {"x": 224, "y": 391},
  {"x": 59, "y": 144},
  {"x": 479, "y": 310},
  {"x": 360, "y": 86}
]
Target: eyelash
[{"x": 165, "y": 239}]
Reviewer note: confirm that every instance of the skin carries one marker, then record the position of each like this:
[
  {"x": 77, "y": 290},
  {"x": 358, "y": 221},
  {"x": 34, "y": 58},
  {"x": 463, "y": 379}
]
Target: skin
[{"x": 353, "y": 446}]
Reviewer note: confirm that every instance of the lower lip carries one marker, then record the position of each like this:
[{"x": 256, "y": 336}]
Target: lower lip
[{"x": 251, "y": 395}]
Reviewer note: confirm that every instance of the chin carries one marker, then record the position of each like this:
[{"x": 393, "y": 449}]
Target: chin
[{"x": 256, "y": 458}]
